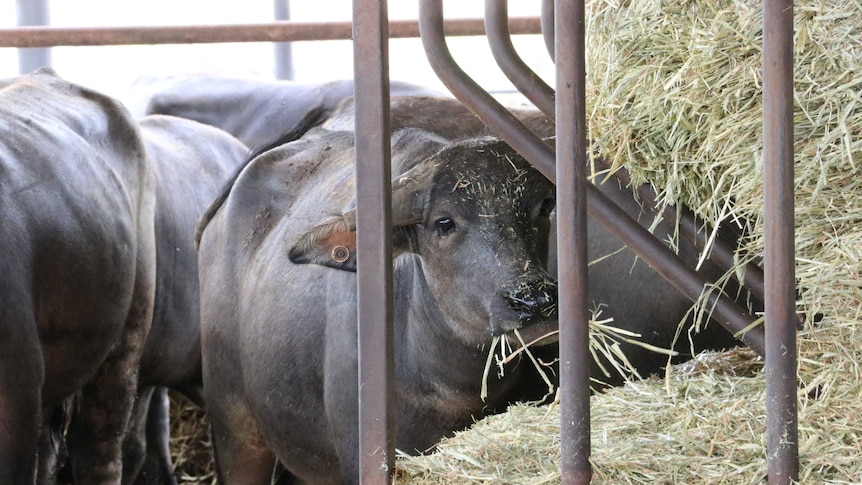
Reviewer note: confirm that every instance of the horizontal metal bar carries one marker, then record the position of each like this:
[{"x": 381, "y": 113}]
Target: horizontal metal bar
[{"x": 285, "y": 31}]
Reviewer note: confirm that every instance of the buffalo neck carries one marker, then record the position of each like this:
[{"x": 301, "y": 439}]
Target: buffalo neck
[{"x": 429, "y": 347}]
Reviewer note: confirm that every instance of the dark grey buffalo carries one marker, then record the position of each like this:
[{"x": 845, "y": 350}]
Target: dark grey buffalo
[
  {"x": 78, "y": 264},
  {"x": 255, "y": 111},
  {"x": 639, "y": 300},
  {"x": 278, "y": 298},
  {"x": 621, "y": 286},
  {"x": 192, "y": 161}
]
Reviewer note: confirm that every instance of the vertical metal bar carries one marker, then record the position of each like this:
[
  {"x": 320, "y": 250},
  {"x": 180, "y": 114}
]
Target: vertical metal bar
[
  {"x": 522, "y": 77},
  {"x": 283, "y": 50},
  {"x": 374, "y": 246},
  {"x": 33, "y": 12},
  {"x": 781, "y": 386},
  {"x": 572, "y": 244}
]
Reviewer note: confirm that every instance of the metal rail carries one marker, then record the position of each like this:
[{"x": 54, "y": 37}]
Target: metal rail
[
  {"x": 691, "y": 227},
  {"x": 782, "y": 449},
  {"x": 522, "y": 77},
  {"x": 374, "y": 242},
  {"x": 571, "y": 148},
  {"x": 287, "y": 31},
  {"x": 779, "y": 341}
]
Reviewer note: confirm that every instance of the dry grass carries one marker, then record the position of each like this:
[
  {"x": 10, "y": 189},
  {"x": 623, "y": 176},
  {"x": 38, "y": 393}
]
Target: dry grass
[
  {"x": 675, "y": 93},
  {"x": 191, "y": 446}
]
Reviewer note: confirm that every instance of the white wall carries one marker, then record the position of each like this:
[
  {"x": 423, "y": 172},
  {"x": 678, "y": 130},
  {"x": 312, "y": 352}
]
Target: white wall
[{"x": 113, "y": 69}]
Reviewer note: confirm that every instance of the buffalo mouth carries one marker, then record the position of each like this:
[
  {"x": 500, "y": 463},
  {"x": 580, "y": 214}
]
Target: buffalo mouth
[
  {"x": 531, "y": 332},
  {"x": 531, "y": 307},
  {"x": 537, "y": 334}
]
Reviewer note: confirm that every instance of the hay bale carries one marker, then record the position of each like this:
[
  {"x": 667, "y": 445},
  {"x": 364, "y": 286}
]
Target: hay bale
[{"x": 675, "y": 97}]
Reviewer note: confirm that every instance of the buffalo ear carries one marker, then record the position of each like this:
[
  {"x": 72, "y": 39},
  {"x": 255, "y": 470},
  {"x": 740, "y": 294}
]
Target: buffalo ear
[
  {"x": 410, "y": 194},
  {"x": 332, "y": 244}
]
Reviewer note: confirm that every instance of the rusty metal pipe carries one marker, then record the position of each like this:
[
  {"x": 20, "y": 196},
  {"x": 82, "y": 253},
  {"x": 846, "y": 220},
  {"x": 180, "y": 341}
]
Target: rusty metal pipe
[
  {"x": 782, "y": 449},
  {"x": 375, "y": 317},
  {"x": 523, "y": 78},
  {"x": 672, "y": 268},
  {"x": 287, "y": 31},
  {"x": 542, "y": 156},
  {"x": 691, "y": 227},
  {"x": 474, "y": 97},
  {"x": 571, "y": 148}
]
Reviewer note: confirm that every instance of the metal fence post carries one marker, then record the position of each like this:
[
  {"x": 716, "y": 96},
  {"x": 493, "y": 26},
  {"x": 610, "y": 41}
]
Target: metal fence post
[
  {"x": 33, "y": 12},
  {"x": 283, "y": 50},
  {"x": 571, "y": 151},
  {"x": 782, "y": 447},
  {"x": 374, "y": 244}
]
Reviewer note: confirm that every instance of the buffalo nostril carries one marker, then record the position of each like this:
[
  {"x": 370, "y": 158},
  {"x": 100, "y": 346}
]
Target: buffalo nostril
[{"x": 532, "y": 300}]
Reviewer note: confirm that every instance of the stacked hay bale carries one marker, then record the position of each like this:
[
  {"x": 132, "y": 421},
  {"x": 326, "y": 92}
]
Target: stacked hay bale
[{"x": 675, "y": 97}]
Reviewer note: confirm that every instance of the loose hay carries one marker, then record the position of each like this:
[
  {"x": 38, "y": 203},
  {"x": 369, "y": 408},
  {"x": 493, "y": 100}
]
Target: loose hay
[
  {"x": 191, "y": 445},
  {"x": 675, "y": 93}
]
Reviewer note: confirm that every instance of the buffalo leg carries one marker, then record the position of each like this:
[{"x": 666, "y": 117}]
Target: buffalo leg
[
  {"x": 241, "y": 456},
  {"x": 135, "y": 444},
  {"x": 21, "y": 376},
  {"x": 157, "y": 466},
  {"x": 96, "y": 437},
  {"x": 52, "y": 444}
]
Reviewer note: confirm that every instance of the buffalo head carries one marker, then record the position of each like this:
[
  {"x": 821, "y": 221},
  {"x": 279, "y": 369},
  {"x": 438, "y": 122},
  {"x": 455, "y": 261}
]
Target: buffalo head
[{"x": 478, "y": 216}]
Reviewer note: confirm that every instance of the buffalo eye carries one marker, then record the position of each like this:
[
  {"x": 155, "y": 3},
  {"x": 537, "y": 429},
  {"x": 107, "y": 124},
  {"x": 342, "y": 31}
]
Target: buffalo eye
[
  {"x": 444, "y": 226},
  {"x": 547, "y": 207}
]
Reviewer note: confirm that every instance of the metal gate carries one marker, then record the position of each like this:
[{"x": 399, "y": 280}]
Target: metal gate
[{"x": 562, "y": 24}]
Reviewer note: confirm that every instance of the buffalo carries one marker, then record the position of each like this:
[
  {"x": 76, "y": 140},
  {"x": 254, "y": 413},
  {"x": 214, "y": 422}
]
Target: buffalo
[
  {"x": 278, "y": 298},
  {"x": 76, "y": 297},
  {"x": 622, "y": 288},
  {"x": 191, "y": 161},
  {"x": 256, "y": 112}
]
